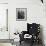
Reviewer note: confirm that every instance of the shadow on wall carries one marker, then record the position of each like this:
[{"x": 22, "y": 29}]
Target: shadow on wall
[{"x": 41, "y": 34}]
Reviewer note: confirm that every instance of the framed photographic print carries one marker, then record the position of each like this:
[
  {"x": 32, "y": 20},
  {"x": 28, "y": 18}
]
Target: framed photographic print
[{"x": 21, "y": 14}]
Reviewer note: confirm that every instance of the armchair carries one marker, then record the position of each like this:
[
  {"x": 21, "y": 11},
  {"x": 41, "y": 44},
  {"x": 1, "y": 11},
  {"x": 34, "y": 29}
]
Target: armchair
[{"x": 33, "y": 30}]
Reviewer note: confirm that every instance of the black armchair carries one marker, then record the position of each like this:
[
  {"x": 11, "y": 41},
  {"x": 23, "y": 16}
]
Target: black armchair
[{"x": 32, "y": 29}]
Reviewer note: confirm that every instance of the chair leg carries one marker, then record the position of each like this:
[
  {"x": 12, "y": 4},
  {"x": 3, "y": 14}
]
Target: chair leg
[
  {"x": 20, "y": 42},
  {"x": 32, "y": 42}
]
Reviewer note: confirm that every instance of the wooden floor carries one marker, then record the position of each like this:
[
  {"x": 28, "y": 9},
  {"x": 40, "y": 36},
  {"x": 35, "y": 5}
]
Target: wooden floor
[
  {"x": 6, "y": 40},
  {"x": 27, "y": 44}
]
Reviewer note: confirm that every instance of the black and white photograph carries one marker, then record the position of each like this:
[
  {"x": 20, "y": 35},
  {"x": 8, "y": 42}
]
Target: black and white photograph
[
  {"x": 21, "y": 14},
  {"x": 22, "y": 22}
]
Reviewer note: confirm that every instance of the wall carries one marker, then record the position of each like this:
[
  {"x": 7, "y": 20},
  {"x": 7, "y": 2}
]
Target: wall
[{"x": 3, "y": 1}]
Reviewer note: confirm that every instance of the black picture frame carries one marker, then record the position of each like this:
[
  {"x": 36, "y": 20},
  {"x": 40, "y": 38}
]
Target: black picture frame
[{"x": 21, "y": 14}]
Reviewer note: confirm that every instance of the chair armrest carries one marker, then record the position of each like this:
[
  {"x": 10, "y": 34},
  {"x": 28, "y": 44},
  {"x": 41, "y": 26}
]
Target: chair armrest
[
  {"x": 22, "y": 35},
  {"x": 24, "y": 32}
]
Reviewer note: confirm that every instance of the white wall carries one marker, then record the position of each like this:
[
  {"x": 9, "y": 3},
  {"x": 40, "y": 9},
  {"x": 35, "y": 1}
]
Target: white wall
[{"x": 3, "y": 1}]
